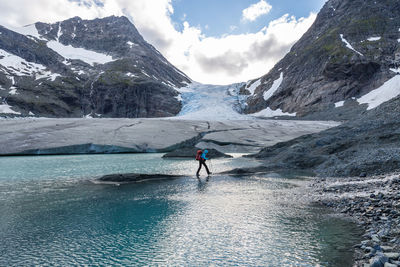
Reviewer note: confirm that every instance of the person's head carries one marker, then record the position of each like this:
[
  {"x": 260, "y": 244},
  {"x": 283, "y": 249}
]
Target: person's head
[{"x": 205, "y": 151}]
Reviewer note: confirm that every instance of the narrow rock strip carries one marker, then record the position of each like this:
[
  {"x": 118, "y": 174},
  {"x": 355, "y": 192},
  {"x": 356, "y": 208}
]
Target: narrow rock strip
[{"x": 374, "y": 202}]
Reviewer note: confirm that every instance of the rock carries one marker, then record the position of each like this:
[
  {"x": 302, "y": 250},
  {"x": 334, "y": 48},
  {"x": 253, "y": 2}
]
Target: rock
[
  {"x": 343, "y": 151},
  {"x": 378, "y": 261},
  {"x": 397, "y": 263},
  {"x": 375, "y": 239},
  {"x": 392, "y": 255},
  {"x": 368, "y": 249},
  {"x": 387, "y": 248}
]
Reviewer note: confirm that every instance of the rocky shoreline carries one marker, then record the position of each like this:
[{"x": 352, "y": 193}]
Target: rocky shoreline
[{"x": 374, "y": 203}]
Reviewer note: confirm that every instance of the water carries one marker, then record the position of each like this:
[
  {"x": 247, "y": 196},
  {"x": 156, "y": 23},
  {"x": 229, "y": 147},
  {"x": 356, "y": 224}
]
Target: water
[{"x": 51, "y": 214}]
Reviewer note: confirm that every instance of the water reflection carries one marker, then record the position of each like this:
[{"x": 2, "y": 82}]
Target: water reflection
[
  {"x": 217, "y": 220},
  {"x": 202, "y": 183}
]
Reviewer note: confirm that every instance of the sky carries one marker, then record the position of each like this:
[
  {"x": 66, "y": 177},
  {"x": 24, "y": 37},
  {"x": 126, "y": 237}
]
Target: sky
[{"x": 212, "y": 41}]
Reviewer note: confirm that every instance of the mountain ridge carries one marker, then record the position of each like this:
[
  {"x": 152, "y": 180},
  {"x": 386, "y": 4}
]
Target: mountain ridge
[
  {"x": 351, "y": 49},
  {"x": 78, "y": 68}
]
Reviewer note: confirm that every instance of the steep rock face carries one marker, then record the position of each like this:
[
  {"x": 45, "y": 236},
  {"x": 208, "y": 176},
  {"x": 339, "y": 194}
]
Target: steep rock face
[
  {"x": 348, "y": 51},
  {"x": 76, "y": 68},
  {"x": 368, "y": 145}
]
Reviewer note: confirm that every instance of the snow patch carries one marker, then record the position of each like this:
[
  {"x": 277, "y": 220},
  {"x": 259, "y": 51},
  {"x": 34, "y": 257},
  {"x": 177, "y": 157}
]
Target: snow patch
[
  {"x": 253, "y": 86},
  {"x": 387, "y": 91},
  {"x": 48, "y": 75},
  {"x": 275, "y": 86},
  {"x": 12, "y": 79},
  {"x": 90, "y": 116},
  {"x": 339, "y": 104},
  {"x": 145, "y": 73},
  {"x": 130, "y": 74},
  {"x": 348, "y": 45},
  {"x": 18, "y": 66},
  {"x": 13, "y": 91},
  {"x": 5, "y": 108},
  {"x": 179, "y": 98},
  {"x": 396, "y": 70},
  {"x": 73, "y": 35},
  {"x": 131, "y": 44},
  {"x": 59, "y": 33},
  {"x": 268, "y": 113},
  {"x": 373, "y": 39},
  {"x": 28, "y": 30},
  {"x": 70, "y": 52}
]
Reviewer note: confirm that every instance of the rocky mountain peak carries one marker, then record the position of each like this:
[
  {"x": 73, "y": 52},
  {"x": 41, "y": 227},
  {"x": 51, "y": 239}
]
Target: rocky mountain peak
[
  {"x": 74, "y": 68},
  {"x": 351, "y": 49}
]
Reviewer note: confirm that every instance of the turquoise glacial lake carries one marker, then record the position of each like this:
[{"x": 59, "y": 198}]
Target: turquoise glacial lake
[{"x": 52, "y": 214}]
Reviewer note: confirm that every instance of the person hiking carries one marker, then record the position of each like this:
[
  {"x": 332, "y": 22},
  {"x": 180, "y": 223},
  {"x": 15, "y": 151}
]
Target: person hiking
[{"x": 202, "y": 157}]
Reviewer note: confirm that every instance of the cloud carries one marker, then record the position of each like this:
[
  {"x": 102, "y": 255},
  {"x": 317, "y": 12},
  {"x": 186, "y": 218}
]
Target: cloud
[
  {"x": 233, "y": 28},
  {"x": 230, "y": 62},
  {"x": 227, "y": 59},
  {"x": 256, "y": 10}
]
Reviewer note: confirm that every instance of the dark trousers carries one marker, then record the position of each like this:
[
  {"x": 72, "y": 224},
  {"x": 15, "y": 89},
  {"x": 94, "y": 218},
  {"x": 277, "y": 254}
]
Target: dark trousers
[{"x": 202, "y": 162}]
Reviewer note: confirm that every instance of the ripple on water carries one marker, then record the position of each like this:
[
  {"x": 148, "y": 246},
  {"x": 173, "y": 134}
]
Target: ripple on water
[{"x": 257, "y": 221}]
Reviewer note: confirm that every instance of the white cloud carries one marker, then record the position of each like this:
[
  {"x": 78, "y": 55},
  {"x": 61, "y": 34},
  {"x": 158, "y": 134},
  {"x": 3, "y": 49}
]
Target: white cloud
[
  {"x": 230, "y": 58},
  {"x": 256, "y": 10},
  {"x": 232, "y": 28}
]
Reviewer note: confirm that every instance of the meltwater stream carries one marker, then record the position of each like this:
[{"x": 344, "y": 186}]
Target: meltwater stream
[{"x": 51, "y": 214}]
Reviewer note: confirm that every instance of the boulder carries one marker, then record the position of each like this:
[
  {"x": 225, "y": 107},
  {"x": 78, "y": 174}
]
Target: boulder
[{"x": 135, "y": 177}]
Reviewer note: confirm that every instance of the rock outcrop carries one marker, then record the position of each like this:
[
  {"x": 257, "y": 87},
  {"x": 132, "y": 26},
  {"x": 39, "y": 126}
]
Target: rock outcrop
[
  {"x": 134, "y": 177},
  {"x": 78, "y": 68},
  {"x": 366, "y": 146}
]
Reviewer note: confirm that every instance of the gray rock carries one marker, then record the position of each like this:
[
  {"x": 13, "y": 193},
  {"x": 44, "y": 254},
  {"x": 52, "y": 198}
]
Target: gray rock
[
  {"x": 387, "y": 248},
  {"x": 387, "y": 264},
  {"x": 392, "y": 255},
  {"x": 378, "y": 261}
]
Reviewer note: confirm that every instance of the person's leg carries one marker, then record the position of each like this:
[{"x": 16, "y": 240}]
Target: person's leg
[
  {"x": 198, "y": 170},
  {"x": 208, "y": 171}
]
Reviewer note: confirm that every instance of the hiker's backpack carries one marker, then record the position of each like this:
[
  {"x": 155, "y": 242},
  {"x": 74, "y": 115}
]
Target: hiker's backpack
[{"x": 198, "y": 155}]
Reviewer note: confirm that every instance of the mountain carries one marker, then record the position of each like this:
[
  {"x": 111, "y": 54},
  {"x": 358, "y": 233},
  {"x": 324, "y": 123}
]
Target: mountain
[
  {"x": 345, "y": 67},
  {"x": 78, "y": 68},
  {"x": 345, "y": 63}
]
